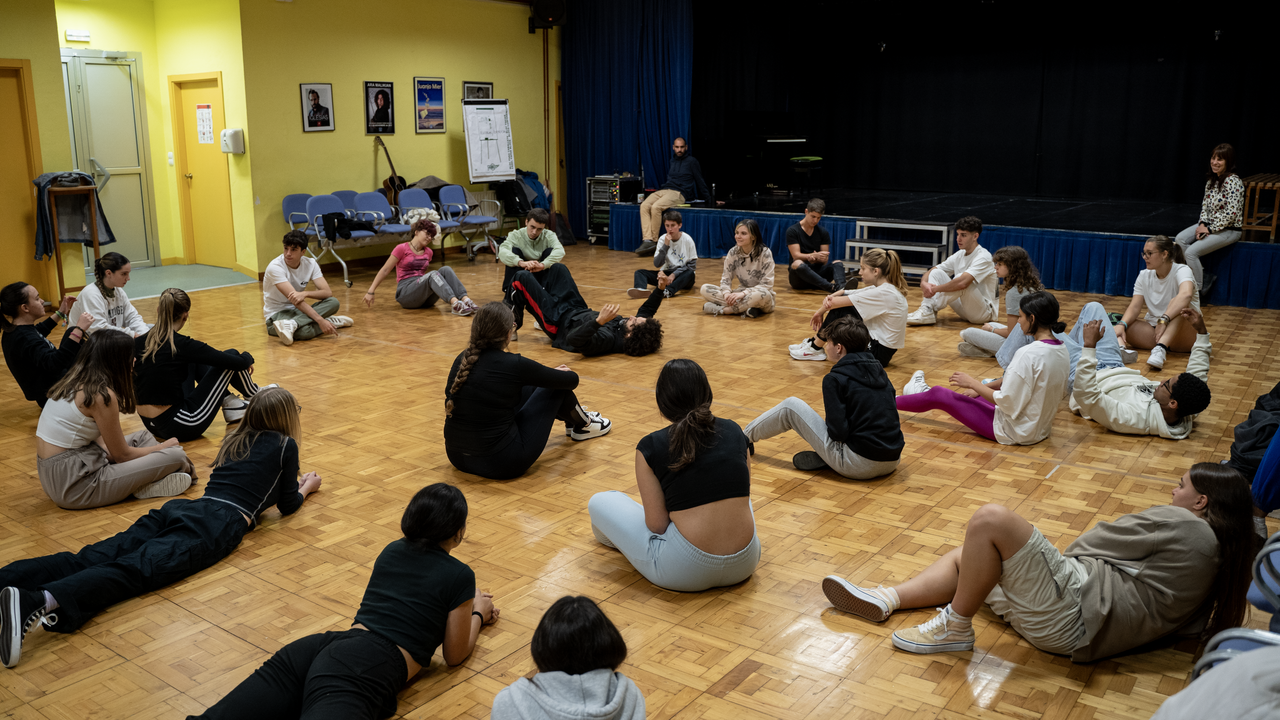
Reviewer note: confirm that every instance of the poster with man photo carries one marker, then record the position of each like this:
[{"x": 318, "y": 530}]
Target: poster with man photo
[
  {"x": 380, "y": 114},
  {"x": 317, "y": 107},
  {"x": 428, "y": 95}
]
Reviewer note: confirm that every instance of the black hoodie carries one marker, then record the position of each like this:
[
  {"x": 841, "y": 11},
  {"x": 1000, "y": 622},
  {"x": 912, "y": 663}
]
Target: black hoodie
[{"x": 860, "y": 406}]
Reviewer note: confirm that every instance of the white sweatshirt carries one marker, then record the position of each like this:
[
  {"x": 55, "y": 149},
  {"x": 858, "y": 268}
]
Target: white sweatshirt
[
  {"x": 114, "y": 312},
  {"x": 1122, "y": 400}
]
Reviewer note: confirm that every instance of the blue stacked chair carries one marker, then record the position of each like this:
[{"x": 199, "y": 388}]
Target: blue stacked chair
[
  {"x": 348, "y": 198},
  {"x": 414, "y": 198},
  {"x": 453, "y": 199},
  {"x": 1264, "y": 594},
  {"x": 373, "y": 206},
  {"x": 295, "y": 212},
  {"x": 319, "y": 206}
]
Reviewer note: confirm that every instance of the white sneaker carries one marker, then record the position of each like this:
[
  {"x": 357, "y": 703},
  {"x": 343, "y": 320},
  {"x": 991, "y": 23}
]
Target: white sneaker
[
  {"x": 808, "y": 352},
  {"x": 340, "y": 321},
  {"x": 597, "y": 427},
  {"x": 970, "y": 350},
  {"x": 233, "y": 408},
  {"x": 711, "y": 308},
  {"x": 800, "y": 345},
  {"x": 167, "y": 486},
  {"x": 916, "y": 384},
  {"x": 1156, "y": 359},
  {"x": 1128, "y": 356},
  {"x": 937, "y": 635},
  {"x": 923, "y": 316},
  {"x": 285, "y": 329},
  {"x": 850, "y": 598},
  {"x": 592, "y": 416}
]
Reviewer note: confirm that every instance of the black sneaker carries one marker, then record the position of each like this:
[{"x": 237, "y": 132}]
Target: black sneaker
[
  {"x": 20, "y": 612},
  {"x": 754, "y": 312},
  {"x": 852, "y": 283},
  {"x": 808, "y": 460},
  {"x": 1209, "y": 278},
  {"x": 646, "y": 248}
]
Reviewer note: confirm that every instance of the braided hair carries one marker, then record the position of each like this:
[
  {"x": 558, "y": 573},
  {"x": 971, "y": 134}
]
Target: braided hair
[
  {"x": 684, "y": 398},
  {"x": 490, "y": 328}
]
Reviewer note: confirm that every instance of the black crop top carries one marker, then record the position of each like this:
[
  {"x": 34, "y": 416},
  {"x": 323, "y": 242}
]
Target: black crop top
[
  {"x": 410, "y": 595},
  {"x": 719, "y": 471}
]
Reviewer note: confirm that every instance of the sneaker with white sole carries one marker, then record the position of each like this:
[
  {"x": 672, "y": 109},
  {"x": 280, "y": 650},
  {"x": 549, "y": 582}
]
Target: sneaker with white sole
[
  {"x": 460, "y": 308},
  {"x": 637, "y": 293},
  {"x": 916, "y": 384},
  {"x": 233, "y": 408},
  {"x": 20, "y": 612},
  {"x": 847, "y": 597},
  {"x": 597, "y": 427},
  {"x": 923, "y": 316},
  {"x": 285, "y": 330},
  {"x": 1128, "y": 356},
  {"x": 968, "y": 349},
  {"x": 167, "y": 486},
  {"x": 1156, "y": 359},
  {"x": 592, "y": 416},
  {"x": 340, "y": 321},
  {"x": 937, "y": 635},
  {"x": 711, "y": 308},
  {"x": 471, "y": 305},
  {"x": 805, "y": 342},
  {"x": 806, "y": 351}
]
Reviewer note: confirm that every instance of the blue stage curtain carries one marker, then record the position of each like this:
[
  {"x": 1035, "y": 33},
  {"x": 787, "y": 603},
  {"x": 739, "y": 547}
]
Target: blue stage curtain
[
  {"x": 1100, "y": 263},
  {"x": 627, "y": 73},
  {"x": 666, "y": 83}
]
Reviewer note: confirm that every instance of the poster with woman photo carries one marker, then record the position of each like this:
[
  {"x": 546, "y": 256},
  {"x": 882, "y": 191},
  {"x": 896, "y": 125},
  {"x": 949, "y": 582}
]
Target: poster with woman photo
[
  {"x": 380, "y": 114},
  {"x": 317, "y": 107},
  {"x": 428, "y": 93}
]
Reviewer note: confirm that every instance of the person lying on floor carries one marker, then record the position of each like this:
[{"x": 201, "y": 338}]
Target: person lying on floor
[
  {"x": 1169, "y": 569},
  {"x": 563, "y": 315}
]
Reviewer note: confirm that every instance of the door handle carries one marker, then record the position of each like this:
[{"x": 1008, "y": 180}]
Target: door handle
[
  {"x": 101, "y": 170},
  {"x": 187, "y": 176}
]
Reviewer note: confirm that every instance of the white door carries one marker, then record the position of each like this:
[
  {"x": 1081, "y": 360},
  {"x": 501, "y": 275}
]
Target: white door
[{"x": 109, "y": 141}]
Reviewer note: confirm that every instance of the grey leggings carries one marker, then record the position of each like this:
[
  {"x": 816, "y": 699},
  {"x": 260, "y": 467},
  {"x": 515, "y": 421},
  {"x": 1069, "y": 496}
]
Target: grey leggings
[
  {"x": 795, "y": 414},
  {"x": 424, "y": 290},
  {"x": 984, "y": 339},
  {"x": 1195, "y": 249}
]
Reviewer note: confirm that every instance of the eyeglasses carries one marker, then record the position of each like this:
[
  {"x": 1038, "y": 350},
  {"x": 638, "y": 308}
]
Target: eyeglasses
[
  {"x": 299, "y": 408},
  {"x": 1149, "y": 253}
]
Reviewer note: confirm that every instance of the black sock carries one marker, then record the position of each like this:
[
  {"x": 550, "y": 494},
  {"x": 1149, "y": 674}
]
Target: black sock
[{"x": 1162, "y": 345}]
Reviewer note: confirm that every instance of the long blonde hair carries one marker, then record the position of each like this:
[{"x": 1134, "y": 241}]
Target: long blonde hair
[
  {"x": 887, "y": 262},
  {"x": 270, "y": 410},
  {"x": 173, "y": 304}
]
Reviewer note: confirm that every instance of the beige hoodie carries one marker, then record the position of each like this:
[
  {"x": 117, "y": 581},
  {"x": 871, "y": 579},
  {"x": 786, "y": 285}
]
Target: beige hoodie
[{"x": 1120, "y": 399}]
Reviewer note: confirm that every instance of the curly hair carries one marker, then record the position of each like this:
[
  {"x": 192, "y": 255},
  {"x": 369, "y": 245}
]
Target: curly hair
[
  {"x": 490, "y": 328},
  {"x": 1191, "y": 393},
  {"x": 969, "y": 223},
  {"x": 644, "y": 339},
  {"x": 1022, "y": 272},
  {"x": 425, "y": 225}
]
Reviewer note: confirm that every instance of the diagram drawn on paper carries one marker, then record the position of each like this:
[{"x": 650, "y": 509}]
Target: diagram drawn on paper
[{"x": 490, "y": 153}]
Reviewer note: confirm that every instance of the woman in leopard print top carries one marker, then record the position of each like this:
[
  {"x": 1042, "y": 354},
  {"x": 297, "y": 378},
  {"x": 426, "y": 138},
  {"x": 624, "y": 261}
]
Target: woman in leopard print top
[{"x": 1221, "y": 215}]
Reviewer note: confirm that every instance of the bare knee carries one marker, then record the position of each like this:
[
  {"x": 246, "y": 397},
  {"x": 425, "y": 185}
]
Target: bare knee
[{"x": 991, "y": 517}]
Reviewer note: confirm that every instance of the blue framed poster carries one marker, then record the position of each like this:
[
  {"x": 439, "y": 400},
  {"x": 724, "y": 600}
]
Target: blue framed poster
[{"x": 428, "y": 104}]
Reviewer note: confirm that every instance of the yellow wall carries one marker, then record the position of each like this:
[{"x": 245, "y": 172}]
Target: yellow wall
[
  {"x": 345, "y": 44},
  {"x": 195, "y": 37},
  {"x": 29, "y": 31}
]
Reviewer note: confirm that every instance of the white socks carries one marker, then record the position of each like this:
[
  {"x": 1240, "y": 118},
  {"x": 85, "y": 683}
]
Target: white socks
[
  {"x": 50, "y": 604},
  {"x": 956, "y": 620}
]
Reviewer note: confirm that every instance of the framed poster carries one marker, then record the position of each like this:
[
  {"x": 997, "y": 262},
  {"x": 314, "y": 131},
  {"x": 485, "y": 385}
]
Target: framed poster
[
  {"x": 428, "y": 104},
  {"x": 379, "y": 109},
  {"x": 317, "y": 106},
  {"x": 477, "y": 90}
]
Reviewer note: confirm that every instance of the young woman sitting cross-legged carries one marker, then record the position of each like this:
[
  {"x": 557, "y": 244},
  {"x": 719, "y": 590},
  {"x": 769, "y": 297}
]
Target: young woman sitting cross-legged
[
  {"x": 1178, "y": 568},
  {"x": 880, "y": 305}
]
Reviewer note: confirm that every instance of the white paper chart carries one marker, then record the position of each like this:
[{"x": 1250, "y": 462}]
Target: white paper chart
[
  {"x": 204, "y": 124},
  {"x": 487, "y": 126}
]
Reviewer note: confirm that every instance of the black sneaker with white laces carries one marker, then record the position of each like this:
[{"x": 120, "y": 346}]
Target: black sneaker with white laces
[{"x": 20, "y": 612}]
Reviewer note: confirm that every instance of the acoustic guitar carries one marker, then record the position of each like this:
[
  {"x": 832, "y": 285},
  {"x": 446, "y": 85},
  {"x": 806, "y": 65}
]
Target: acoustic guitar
[{"x": 392, "y": 186}]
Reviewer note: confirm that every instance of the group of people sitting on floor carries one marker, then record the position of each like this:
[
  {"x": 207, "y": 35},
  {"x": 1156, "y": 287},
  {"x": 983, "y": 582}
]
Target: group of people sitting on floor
[{"x": 1177, "y": 568}]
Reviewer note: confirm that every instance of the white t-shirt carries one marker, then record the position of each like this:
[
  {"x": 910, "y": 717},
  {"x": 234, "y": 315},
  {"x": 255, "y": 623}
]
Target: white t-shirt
[
  {"x": 679, "y": 253},
  {"x": 1158, "y": 293},
  {"x": 1034, "y": 383},
  {"x": 978, "y": 264},
  {"x": 884, "y": 312},
  {"x": 273, "y": 301}
]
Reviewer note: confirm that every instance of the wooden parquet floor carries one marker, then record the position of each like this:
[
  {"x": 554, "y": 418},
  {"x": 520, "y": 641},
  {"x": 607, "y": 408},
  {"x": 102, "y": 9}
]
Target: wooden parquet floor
[{"x": 771, "y": 647}]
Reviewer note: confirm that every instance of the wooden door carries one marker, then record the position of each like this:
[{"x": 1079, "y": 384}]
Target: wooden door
[
  {"x": 19, "y": 164},
  {"x": 204, "y": 182}
]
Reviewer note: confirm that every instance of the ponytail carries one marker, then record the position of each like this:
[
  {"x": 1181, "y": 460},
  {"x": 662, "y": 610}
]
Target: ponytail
[
  {"x": 888, "y": 263},
  {"x": 684, "y": 397},
  {"x": 12, "y": 297},
  {"x": 174, "y": 303},
  {"x": 1165, "y": 245},
  {"x": 490, "y": 328},
  {"x": 1041, "y": 308}
]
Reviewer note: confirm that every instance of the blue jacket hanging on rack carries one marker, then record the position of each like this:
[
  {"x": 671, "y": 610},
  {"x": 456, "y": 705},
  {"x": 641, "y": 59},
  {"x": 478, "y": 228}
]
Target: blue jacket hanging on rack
[{"x": 73, "y": 213}]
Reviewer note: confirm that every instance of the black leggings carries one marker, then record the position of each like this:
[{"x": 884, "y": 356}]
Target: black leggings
[
  {"x": 203, "y": 392},
  {"x": 879, "y": 352},
  {"x": 539, "y": 409},
  {"x": 350, "y": 675}
]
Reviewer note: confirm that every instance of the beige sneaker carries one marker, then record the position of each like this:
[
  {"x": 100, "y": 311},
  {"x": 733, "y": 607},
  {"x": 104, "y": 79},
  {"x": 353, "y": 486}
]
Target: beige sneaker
[
  {"x": 167, "y": 486},
  {"x": 847, "y": 597},
  {"x": 937, "y": 635}
]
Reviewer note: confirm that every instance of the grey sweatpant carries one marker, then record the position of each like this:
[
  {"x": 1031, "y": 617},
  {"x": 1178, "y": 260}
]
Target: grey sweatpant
[
  {"x": 1194, "y": 249},
  {"x": 795, "y": 414},
  {"x": 84, "y": 477},
  {"x": 424, "y": 290}
]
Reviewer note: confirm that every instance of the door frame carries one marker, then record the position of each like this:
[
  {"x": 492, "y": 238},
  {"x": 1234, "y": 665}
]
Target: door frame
[
  {"x": 180, "y": 155},
  {"x": 140, "y": 107},
  {"x": 35, "y": 162}
]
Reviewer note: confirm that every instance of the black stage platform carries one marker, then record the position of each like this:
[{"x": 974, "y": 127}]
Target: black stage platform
[{"x": 1107, "y": 216}]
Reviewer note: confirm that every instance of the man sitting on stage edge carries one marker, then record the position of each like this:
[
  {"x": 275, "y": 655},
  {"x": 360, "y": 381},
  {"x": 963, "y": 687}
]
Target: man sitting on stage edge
[
  {"x": 966, "y": 281},
  {"x": 676, "y": 258},
  {"x": 284, "y": 295},
  {"x": 1121, "y": 400},
  {"x": 572, "y": 326},
  {"x": 684, "y": 179},
  {"x": 532, "y": 247},
  {"x": 811, "y": 265}
]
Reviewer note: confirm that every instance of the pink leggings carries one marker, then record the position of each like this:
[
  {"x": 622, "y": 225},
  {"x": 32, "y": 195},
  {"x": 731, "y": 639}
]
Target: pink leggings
[{"x": 977, "y": 414}]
